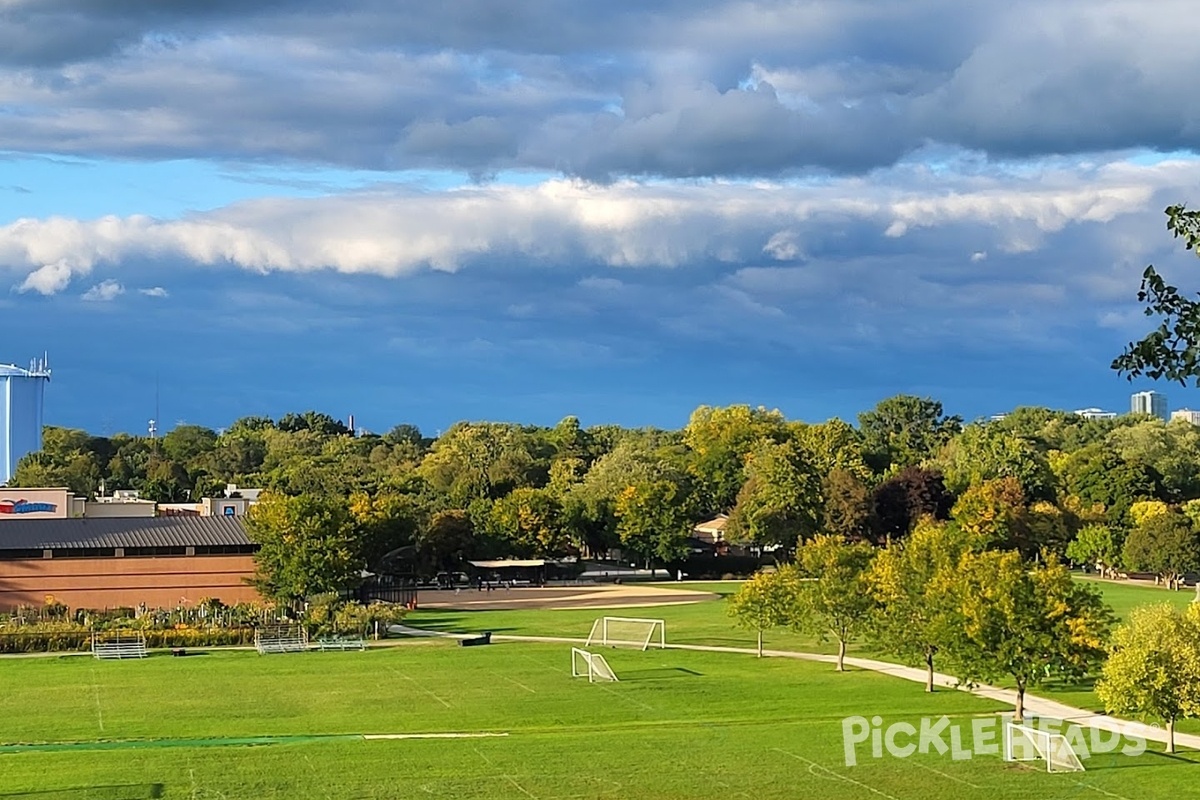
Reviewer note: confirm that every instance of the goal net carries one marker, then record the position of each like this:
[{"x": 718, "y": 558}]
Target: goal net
[
  {"x": 628, "y": 632},
  {"x": 591, "y": 665},
  {"x": 1023, "y": 743}
]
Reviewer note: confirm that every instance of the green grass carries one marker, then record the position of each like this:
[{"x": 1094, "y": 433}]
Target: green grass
[{"x": 679, "y": 725}]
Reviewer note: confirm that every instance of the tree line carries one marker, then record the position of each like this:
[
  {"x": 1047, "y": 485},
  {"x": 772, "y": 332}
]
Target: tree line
[{"x": 1119, "y": 494}]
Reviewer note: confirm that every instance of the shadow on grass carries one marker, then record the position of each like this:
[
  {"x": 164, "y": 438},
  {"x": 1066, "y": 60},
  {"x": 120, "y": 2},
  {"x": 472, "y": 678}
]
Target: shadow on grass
[
  {"x": 658, "y": 674},
  {"x": 132, "y": 791}
]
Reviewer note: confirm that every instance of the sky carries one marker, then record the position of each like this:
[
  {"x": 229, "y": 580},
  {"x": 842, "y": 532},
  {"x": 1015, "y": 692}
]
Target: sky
[{"x": 429, "y": 212}]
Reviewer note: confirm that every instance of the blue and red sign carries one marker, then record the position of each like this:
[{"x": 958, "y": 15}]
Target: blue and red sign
[{"x": 26, "y": 507}]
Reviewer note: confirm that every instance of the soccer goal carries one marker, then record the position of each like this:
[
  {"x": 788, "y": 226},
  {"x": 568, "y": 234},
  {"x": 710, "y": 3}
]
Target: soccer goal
[
  {"x": 1023, "y": 743},
  {"x": 628, "y": 632},
  {"x": 591, "y": 665}
]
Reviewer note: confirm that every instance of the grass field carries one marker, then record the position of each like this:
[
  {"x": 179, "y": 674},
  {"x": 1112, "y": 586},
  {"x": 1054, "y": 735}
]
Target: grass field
[{"x": 680, "y": 724}]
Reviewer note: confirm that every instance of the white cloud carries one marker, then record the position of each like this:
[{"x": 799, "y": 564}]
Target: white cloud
[
  {"x": 155, "y": 291},
  {"x": 395, "y": 231},
  {"x": 104, "y": 292}
]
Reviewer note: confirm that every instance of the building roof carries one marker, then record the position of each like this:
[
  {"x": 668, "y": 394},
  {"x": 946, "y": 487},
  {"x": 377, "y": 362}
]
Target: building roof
[
  {"x": 715, "y": 525},
  {"x": 52, "y": 534}
]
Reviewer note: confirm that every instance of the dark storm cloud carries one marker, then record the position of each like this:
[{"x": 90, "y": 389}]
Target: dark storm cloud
[{"x": 669, "y": 88}]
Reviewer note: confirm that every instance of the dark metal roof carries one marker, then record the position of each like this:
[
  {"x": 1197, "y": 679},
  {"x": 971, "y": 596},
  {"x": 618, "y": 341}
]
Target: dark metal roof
[{"x": 52, "y": 534}]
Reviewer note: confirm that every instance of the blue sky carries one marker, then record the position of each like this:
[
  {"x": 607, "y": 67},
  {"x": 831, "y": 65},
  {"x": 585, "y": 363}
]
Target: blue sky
[{"x": 615, "y": 210}]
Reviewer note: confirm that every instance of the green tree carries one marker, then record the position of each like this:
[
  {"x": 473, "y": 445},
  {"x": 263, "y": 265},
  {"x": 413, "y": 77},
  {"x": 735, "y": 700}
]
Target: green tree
[
  {"x": 1011, "y": 622},
  {"x": 185, "y": 443},
  {"x": 653, "y": 522},
  {"x": 781, "y": 499},
  {"x": 718, "y": 441},
  {"x": 832, "y": 445},
  {"x": 764, "y": 602},
  {"x": 1164, "y": 544},
  {"x": 530, "y": 520},
  {"x": 1172, "y": 350},
  {"x": 1096, "y": 545},
  {"x": 307, "y": 545},
  {"x": 832, "y": 597},
  {"x": 1095, "y": 474},
  {"x": 1153, "y": 670},
  {"x": 907, "y": 579},
  {"x": 904, "y": 430},
  {"x": 984, "y": 453}
]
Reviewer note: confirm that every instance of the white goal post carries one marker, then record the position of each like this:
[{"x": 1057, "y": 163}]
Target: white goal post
[
  {"x": 591, "y": 665},
  {"x": 628, "y": 632},
  {"x": 1023, "y": 743}
]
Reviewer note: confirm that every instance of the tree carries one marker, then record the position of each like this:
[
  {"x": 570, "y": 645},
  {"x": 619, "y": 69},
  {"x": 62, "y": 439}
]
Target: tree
[
  {"x": 904, "y": 430},
  {"x": 1153, "y": 670},
  {"x": 1096, "y": 474},
  {"x": 832, "y": 597},
  {"x": 1013, "y": 622},
  {"x": 906, "y": 580},
  {"x": 994, "y": 512},
  {"x": 307, "y": 545},
  {"x": 718, "y": 440},
  {"x": 446, "y": 541},
  {"x": 530, "y": 520},
  {"x": 848, "y": 504},
  {"x": 983, "y": 453},
  {"x": 781, "y": 499},
  {"x": 906, "y": 497},
  {"x": 1097, "y": 545},
  {"x": 1172, "y": 350},
  {"x": 1164, "y": 544},
  {"x": 652, "y": 521},
  {"x": 765, "y": 601}
]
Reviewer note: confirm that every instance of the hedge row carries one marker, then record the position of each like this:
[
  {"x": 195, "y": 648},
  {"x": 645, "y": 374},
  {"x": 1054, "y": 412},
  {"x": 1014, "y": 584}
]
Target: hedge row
[{"x": 35, "y": 639}]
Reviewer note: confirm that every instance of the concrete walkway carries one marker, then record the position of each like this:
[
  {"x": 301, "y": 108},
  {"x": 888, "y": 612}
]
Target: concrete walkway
[{"x": 1039, "y": 706}]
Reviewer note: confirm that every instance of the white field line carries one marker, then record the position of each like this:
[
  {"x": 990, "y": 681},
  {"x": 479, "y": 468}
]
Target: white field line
[
  {"x": 815, "y": 765},
  {"x": 520, "y": 788},
  {"x": 1101, "y": 791},
  {"x": 416, "y": 683},
  {"x": 96, "y": 692},
  {"x": 514, "y": 682},
  {"x": 947, "y": 776},
  {"x": 485, "y": 735}
]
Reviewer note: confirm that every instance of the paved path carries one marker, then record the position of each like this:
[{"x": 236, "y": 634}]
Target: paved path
[{"x": 1039, "y": 706}]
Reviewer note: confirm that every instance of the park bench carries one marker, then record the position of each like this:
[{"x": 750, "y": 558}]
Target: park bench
[
  {"x": 341, "y": 643},
  {"x": 474, "y": 641}
]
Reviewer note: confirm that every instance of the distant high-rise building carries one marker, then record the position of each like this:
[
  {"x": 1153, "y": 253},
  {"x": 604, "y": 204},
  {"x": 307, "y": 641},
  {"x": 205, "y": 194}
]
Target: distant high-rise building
[
  {"x": 1095, "y": 413},
  {"x": 1151, "y": 403},
  {"x": 1187, "y": 415},
  {"x": 21, "y": 392}
]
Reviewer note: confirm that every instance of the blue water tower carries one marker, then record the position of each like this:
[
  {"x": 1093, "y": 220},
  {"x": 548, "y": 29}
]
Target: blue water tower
[{"x": 21, "y": 393}]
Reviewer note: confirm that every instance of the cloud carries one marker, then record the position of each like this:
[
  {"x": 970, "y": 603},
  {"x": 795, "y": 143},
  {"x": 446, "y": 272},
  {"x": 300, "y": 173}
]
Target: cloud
[
  {"x": 394, "y": 231},
  {"x": 155, "y": 291},
  {"x": 602, "y": 91},
  {"x": 104, "y": 292}
]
